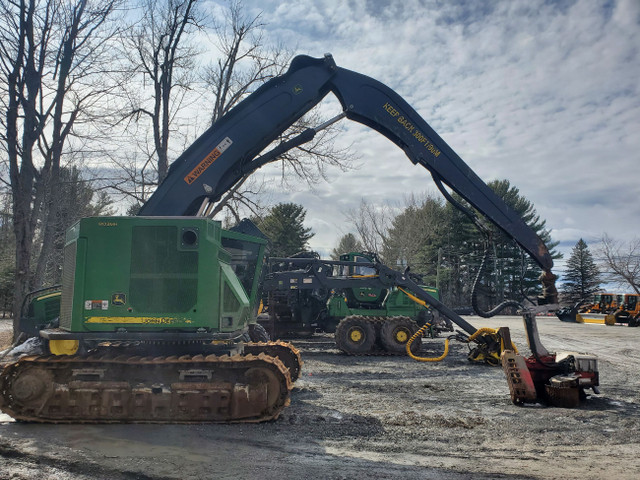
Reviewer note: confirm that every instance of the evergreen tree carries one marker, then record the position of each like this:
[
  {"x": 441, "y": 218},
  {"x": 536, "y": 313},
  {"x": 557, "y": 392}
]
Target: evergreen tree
[
  {"x": 508, "y": 273},
  {"x": 284, "y": 226},
  {"x": 439, "y": 241},
  {"x": 582, "y": 278},
  {"x": 348, "y": 243}
]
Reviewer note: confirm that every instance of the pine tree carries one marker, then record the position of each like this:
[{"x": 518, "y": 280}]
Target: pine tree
[
  {"x": 284, "y": 226},
  {"x": 582, "y": 277},
  {"x": 348, "y": 243}
]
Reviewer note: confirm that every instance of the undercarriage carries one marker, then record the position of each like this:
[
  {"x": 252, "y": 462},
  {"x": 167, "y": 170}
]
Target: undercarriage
[{"x": 112, "y": 385}]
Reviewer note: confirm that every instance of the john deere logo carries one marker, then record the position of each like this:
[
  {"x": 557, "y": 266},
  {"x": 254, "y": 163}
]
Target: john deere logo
[
  {"x": 297, "y": 89},
  {"x": 118, "y": 299}
]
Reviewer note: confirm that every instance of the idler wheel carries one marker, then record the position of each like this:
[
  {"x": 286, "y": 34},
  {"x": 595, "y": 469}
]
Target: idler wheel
[
  {"x": 31, "y": 386},
  {"x": 259, "y": 378}
]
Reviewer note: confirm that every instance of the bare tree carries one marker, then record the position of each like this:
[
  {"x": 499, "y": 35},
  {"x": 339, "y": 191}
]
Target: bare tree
[
  {"x": 162, "y": 53},
  {"x": 307, "y": 163},
  {"x": 372, "y": 224},
  {"x": 245, "y": 63},
  {"x": 76, "y": 198},
  {"x": 7, "y": 254},
  {"x": 414, "y": 231},
  {"x": 621, "y": 261},
  {"x": 161, "y": 49},
  {"x": 49, "y": 60}
]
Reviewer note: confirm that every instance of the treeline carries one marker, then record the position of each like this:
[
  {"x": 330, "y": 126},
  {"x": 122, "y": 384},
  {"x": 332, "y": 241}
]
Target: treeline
[
  {"x": 440, "y": 243},
  {"x": 98, "y": 97},
  {"x": 443, "y": 245}
]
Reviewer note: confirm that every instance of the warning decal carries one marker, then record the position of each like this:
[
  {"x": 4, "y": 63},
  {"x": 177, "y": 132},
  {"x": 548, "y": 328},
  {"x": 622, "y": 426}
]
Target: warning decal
[{"x": 208, "y": 161}]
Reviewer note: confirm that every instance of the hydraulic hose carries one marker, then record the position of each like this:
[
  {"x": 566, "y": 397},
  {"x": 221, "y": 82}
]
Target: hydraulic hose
[
  {"x": 470, "y": 339},
  {"x": 491, "y": 331},
  {"x": 487, "y": 233},
  {"x": 426, "y": 359},
  {"x": 474, "y": 292}
]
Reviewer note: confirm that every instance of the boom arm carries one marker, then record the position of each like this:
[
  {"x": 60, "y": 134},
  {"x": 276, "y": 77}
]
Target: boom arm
[{"x": 229, "y": 149}]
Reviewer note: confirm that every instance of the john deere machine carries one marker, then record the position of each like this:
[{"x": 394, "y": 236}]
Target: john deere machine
[
  {"x": 156, "y": 310},
  {"x": 368, "y": 305},
  {"x": 155, "y": 323},
  {"x": 294, "y": 307}
]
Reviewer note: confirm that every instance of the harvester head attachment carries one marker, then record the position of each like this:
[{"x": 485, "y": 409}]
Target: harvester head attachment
[
  {"x": 563, "y": 391},
  {"x": 557, "y": 380},
  {"x": 490, "y": 345}
]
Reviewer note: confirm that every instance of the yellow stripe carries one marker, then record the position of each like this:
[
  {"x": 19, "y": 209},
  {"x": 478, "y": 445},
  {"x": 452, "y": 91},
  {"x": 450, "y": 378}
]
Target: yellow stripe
[
  {"x": 56, "y": 294},
  {"x": 138, "y": 320},
  {"x": 583, "y": 318},
  {"x": 594, "y": 320}
]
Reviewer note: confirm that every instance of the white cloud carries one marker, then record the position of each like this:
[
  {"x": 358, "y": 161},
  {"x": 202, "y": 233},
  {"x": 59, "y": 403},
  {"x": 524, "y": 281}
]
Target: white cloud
[{"x": 544, "y": 94}]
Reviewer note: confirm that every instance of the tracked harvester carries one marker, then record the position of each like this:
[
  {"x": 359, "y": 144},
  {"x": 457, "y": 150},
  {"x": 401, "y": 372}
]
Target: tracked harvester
[
  {"x": 157, "y": 316},
  {"x": 153, "y": 327}
]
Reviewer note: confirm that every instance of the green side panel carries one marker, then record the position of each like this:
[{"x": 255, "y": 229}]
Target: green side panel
[
  {"x": 235, "y": 302},
  {"x": 433, "y": 291},
  {"x": 42, "y": 308},
  {"x": 147, "y": 273},
  {"x": 163, "y": 278},
  {"x": 395, "y": 304}
]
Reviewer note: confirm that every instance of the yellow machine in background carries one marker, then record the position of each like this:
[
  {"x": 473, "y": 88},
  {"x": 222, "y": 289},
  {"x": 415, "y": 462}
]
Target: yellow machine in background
[
  {"x": 628, "y": 312},
  {"x": 611, "y": 309},
  {"x": 603, "y": 305}
]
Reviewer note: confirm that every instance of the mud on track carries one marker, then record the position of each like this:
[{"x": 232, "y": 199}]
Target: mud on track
[{"x": 377, "y": 418}]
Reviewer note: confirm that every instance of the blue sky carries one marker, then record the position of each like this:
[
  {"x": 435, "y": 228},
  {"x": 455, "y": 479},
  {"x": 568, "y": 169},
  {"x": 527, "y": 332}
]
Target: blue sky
[{"x": 543, "y": 93}]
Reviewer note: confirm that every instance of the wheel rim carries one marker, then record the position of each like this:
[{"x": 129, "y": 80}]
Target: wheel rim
[
  {"x": 356, "y": 335},
  {"x": 401, "y": 336}
]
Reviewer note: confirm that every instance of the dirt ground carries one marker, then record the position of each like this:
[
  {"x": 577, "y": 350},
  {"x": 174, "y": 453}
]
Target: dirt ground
[{"x": 375, "y": 418}]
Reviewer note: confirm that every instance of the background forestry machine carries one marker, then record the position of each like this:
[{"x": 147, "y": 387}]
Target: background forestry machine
[
  {"x": 155, "y": 309},
  {"x": 297, "y": 306}
]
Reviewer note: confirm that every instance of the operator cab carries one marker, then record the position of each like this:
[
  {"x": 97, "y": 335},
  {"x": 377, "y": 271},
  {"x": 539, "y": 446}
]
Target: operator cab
[{"x": 356, "y": 270}]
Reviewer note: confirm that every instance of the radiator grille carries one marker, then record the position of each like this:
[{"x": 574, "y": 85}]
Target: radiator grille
[
  {"x": 68, "y": 277},
  {"x": 163, "y": 278}
]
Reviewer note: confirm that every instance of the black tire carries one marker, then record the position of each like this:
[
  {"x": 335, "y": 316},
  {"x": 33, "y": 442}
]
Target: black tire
[
  {"x": 622, "y": 317},
  {"x": 395, "y": 333},
  {"x": 355, "y": 335},
  {"x": 257, "y": 333},
  {"x": 633, "y": 322}
]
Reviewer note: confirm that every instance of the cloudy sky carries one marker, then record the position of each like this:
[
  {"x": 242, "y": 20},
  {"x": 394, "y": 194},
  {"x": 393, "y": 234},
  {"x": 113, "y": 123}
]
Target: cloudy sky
[{"x": 543, "y": 93}]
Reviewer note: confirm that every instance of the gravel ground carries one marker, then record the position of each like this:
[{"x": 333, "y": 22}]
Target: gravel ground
[{"x": 375, "y": 418}]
